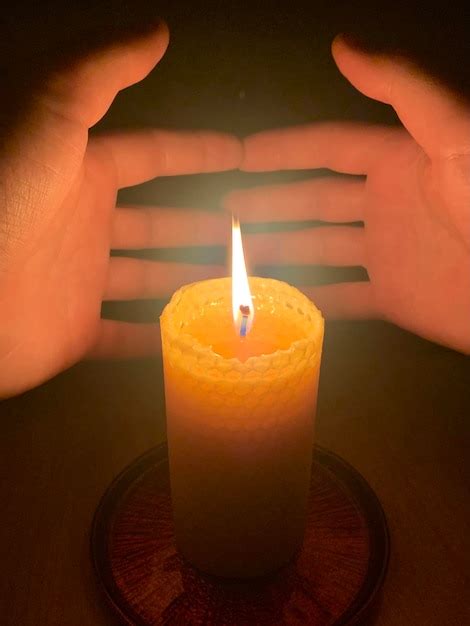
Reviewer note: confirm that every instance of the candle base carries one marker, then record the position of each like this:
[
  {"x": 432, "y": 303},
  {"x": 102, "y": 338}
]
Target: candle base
[{"x": 333, "y": 579}]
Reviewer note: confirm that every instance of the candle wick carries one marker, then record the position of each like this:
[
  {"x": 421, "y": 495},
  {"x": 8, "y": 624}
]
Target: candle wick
[{"x": 245, "y": 311}]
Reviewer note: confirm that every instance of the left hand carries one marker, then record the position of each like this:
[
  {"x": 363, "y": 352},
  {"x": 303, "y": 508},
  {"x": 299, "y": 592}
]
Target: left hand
[{"x": 58, "y": 220}]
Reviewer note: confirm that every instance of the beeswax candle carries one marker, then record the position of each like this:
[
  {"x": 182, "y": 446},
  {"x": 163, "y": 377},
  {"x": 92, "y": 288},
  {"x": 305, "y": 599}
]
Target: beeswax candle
[{"x": 240, "y": 414}]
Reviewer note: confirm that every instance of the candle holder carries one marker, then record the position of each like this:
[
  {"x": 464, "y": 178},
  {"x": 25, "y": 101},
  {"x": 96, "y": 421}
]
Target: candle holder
[{"x": 334, "y": 579}]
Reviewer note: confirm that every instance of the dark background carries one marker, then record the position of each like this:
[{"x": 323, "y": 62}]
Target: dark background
[{"x": 395, "y": 405}]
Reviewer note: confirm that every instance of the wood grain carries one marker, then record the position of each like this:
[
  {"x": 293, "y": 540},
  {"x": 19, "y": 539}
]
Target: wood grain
[{"x": 334, "y": 580}]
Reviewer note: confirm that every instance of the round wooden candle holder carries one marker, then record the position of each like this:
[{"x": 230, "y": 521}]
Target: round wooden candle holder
[{"x": 334, "y": 580}]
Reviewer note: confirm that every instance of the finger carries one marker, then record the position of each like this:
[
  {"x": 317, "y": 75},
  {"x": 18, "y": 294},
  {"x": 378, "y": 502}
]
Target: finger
[
  {"x": 130, "y": 279},
  {"x": 344, "y": 300},
  {"x": 326, "y": 199},
  {"x": 433, "y": 115},
  {"x": 159, "y": 227},
  {"x": 341, "y": 146},
  {"x": 85, "y": 92},
  {"x": 141, "y": 156},
  {"x": 123, "y": 340},
  {"x": 333, "y": 245}
]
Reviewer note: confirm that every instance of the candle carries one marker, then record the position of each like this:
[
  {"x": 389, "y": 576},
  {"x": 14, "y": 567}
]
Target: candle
[{"x": 241, "y": 374}]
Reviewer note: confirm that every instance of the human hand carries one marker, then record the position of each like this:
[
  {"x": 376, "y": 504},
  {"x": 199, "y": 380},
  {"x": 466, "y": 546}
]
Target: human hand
[
  {"x": 414, "y": 202},
  {"x": 58, "y": 220}
]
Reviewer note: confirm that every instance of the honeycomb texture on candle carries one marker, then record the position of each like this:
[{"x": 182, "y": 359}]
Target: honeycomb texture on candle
[{"x": 259, "y": 384}]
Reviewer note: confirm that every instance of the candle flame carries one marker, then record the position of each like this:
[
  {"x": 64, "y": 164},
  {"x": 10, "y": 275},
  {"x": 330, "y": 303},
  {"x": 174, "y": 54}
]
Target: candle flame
[{"x": 242, "y": 305}]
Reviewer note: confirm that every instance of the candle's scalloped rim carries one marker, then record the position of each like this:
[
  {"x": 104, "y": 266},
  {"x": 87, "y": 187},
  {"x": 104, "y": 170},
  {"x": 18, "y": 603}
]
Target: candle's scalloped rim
[{"x": 187, "y": 342}]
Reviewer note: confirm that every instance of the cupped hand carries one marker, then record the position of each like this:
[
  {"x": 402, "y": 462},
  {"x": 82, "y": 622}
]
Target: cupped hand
[
  {"x": 58, "y": 219},
  {"x": 414, "y": 202}
]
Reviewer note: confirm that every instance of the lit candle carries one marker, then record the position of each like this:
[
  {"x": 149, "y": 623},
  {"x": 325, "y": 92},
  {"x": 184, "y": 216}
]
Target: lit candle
[{"x": 241, "y": 371}]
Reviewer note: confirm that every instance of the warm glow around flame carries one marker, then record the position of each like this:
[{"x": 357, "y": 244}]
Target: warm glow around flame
[{"x": 242, "y": 305}]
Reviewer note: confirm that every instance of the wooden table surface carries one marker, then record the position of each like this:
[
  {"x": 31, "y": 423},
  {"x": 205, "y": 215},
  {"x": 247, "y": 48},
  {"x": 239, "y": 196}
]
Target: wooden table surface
[{"x": 396, "y": 407}]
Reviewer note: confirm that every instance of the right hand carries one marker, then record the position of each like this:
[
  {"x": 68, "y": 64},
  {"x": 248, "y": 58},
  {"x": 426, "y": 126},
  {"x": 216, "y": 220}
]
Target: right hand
[{"x": 414, "y": 202}]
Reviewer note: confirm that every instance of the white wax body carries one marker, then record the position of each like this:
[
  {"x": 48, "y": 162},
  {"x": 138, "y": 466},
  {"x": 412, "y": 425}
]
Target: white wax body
[{"x": 239, "y": 493}]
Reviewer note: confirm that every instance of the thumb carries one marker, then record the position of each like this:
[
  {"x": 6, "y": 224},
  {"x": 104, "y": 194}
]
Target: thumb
[
  {"x": 42, "y": 157},
  {"x": 84, "y": 92},
  {"x": 437, "y": 119}
]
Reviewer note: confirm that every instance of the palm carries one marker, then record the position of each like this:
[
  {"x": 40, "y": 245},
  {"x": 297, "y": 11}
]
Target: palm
[
  {"x": 59, "y": 221},
  {"x": 72, "y": 270},
  {"x": 414, "y": 249},
  {"x": 414, "y": 202}
]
